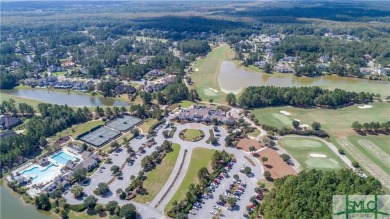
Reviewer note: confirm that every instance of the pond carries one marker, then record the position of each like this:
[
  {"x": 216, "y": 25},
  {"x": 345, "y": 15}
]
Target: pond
[
  {"x": 12, "y": 207},
  {"x": 62, "y": 98},
  {"x": 233, "y": 78}
]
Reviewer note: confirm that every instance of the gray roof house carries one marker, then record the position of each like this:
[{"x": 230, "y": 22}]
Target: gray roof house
[{"x": 7, "y": 121}]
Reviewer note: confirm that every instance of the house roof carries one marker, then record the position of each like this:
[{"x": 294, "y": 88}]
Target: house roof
[
  {"x": 86, "y": 154},
  {"x": 7, "y": 121}
]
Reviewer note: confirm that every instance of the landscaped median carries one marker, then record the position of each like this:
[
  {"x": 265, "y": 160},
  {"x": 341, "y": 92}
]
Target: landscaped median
[
  {"x": 201, "y": 157},
  {"x": 192, "y": 135},
  {"x": 157, "y": 178}
]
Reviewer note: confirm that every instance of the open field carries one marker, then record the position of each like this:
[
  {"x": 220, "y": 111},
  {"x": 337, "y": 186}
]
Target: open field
[
  {"x": 311, "y": 154},
  {"x": 255, "y": 133},
  {"x": 147, "y": 124},
  {"x": 79, "y": 129},
  {"x": 208, "y": 71},
  {"x": 201, "y": 157},
  {"x": 156, "y": 178}
]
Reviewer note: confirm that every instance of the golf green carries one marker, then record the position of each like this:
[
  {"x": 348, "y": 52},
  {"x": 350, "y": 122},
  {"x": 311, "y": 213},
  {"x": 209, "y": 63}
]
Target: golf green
[{"x": 322, "y": 163}]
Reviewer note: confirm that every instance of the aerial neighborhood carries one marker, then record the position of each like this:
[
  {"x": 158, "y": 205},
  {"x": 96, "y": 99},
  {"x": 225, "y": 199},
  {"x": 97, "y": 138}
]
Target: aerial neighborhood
[{"x": 193, "y": 109}]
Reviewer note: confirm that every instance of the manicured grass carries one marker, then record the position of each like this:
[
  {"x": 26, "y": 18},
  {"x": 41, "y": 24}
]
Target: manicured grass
[
  {"x": 255, "y": 133},
  {"x": 301, "y": 148},
  {"x": 147, "y": 124},
  {"x": 201, "y": 157},
  {"x": 79, "y": 129},
  {"x": 376, "y": 148},
  {"x": 208, "y": 71},
  {"x": 157, "y": 178},
  {"x": 84, "y": 215},
  {"x": 336, "y": 122},
  {"x": 186, "y": 103},
  {"x": 192, "y": 133},
  {"x": 33, "y": 103}
]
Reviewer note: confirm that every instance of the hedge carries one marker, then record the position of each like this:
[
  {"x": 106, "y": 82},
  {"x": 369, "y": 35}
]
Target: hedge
[{"x": 151, "y": 129}]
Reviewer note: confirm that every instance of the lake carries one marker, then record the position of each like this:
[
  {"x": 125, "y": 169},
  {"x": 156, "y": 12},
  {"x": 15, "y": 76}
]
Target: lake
[
  {"x": 233, "y": 78},
  {"x": 62, "y": 98},
  {"x": 12, "y": 207}
]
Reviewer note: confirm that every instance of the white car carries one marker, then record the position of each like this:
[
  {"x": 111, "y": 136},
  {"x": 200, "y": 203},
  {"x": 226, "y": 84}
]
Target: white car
[{"x": 213, "y": 212}]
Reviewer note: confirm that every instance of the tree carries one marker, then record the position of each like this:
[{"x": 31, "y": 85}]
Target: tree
[
  {"x": 267, "y": 175},
  {"x": 42, "y": 202},
  {"x": 231, "y": 99},
  {"x": 295, "y": 124},
  {"x": 80, "y": 174},
  {"x": 355, "y": 164},
  {"x": 285, "y": 157},
  {"x": 115, "y": 144},
  {"x": 203, "y": 173},
  {"x": 341, "y": 151},
  {"x": 101, "y": 189},
  {"x": 114, "y": 169},
  {"x": 77, "y": 191},
  {"x": 294, "y": 189},
  {"x": 99, "y": 208},
  {"x": 247, "y": 170},
  {"x": 264, "y": 159},
  {"x": 146, "y": 97},
  {"x": 111, "y": 206},
  {"x": 356, "y": 126},
  {"x": 128, "y": 211},
  {"x": 90, "y": 201},
  {"x": 213, "y": 140},
  {"x": 211, "y": 100},
  {"x": 316, "y": 126},
  {"x": 236, "y": 177},
  {"x": 267, "y": 68},
  {"x": 252, "y": 149},
  {"x": 231, "y": 202}
]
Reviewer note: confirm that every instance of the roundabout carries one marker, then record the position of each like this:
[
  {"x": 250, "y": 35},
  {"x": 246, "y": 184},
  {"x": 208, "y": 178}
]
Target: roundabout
[{"x": 192, "y": 135}]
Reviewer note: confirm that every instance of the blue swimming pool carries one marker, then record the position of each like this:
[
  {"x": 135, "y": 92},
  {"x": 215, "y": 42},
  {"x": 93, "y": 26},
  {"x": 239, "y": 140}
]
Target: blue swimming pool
[
  {"x": 40, "y": 175},
  {"x": 63, "y": 157}
]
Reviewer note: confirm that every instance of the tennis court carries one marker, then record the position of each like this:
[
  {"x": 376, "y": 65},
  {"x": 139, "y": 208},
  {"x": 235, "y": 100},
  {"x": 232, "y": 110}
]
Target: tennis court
[
  {"x": 100, "y": 136},
  {"x": 123, "y": 123}
]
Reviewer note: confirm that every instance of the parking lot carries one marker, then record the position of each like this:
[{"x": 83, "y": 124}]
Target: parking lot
[{"x": 242, "y": 202}]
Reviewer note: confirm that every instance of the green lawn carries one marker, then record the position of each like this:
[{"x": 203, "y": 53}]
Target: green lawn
[
  {"x": 157, "y": 178},
  {"x": 147, "y": 124},
  {"x": 201, "y": 157},
  {"x": 302, "y": 148},
  {"x": 79, "y": 129},
  {"x": 376, "y": 148},
  {"x": 186, "y": 103},
  {"x": 84, "y": 215},
  {"x": 208, "y": 71},
  {"x": 192, "y": 133}
]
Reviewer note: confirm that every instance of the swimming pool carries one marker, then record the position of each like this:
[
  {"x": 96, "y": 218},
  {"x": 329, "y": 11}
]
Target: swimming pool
[
  {"x": 39, "y": 175},
  {"x": 63, "y": 157}
]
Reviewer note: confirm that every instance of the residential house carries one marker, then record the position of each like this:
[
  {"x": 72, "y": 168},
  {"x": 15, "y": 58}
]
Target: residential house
[
  {"x": 125, "y": 89},
  {"x": 88, "y": 164},
  {"x": 155, "y": 73},
  {"x": 283, "y": 68},
  {"x": 8, "y": 122},
  {"x": 260, "y": 64}
]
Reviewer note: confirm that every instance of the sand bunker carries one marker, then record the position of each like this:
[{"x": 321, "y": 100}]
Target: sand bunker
[
  {"x": 365, "y": 107},
  {"x": 297, "y": 120},
  {"x": 304, "y": 126},
  {"x": 209, "y": 92},
  {"x": 318, "y": 155},
  {"x": 216, "y": 91},
  {"x": 285, "y": 113}
]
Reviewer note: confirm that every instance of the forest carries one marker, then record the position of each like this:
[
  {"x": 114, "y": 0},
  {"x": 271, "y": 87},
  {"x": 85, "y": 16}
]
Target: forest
[
  {"x": 310, "y": 193},
  {"x": 264, "y": 96}
]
